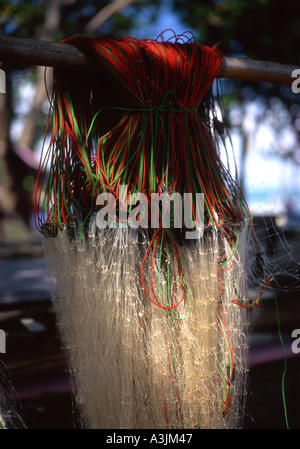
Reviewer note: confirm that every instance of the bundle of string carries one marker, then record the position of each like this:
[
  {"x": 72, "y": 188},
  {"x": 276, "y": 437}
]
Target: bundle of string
[{"x": 154, "y": 324}]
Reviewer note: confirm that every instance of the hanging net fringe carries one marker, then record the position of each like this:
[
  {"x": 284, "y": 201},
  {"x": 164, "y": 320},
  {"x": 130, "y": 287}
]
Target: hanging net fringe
[{"x": 154, "y": 324}]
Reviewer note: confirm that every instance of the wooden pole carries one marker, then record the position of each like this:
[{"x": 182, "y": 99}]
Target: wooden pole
[
  {"x": 41, "y": 53},
  {"x": 51, "y": 54},
  {"x": 259, "y": 71}
]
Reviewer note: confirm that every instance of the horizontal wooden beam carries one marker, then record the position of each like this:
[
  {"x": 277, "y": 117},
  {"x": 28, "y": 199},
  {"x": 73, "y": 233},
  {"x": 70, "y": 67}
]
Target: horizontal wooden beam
[
  {"x": 40, "y": 53},
  {"x": 44, "y": 53},
  {"x": 259, "y": 71}
]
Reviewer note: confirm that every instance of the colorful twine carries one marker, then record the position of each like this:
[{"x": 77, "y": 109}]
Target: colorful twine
[{"x": 143, "y": 117}]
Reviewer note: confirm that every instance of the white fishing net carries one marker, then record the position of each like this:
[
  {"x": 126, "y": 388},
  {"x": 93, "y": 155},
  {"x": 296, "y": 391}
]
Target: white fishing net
[
  {"x": 10, "y": 410},
  {"x": 134, "y": 364}
]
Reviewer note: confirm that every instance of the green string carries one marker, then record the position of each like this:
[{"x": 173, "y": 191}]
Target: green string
[
  {"x": 284, "y": 359},
  {"x": 233, "y": 251}
]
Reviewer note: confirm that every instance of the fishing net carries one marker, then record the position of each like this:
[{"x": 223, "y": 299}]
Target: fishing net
[{"x": 150, "y": 296}]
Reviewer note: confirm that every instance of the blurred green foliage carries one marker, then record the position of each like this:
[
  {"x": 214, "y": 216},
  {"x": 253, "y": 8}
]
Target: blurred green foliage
[
  {"x": 267, "y": 30},
  {"x": 25, "y": 19},
  {"x": 261, "y": 29}
]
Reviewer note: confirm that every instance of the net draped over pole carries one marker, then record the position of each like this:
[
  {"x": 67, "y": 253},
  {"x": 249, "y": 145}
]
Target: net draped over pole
[
  {"x": 154, "y": 323},
  {"x": 51, "y": 54}
]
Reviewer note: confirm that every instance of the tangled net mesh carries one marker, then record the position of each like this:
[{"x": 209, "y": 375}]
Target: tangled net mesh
[
  {"x": 135, "y": 365},
  {"x": 154, "y": 325}
]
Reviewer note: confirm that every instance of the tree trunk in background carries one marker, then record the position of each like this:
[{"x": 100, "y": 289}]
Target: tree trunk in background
[
  {"x": 8, "y": 198},
  {"x": 15, "y": 201},
  {"x": 47, "y": 33},
  {"x": 104, "y": 14}
]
